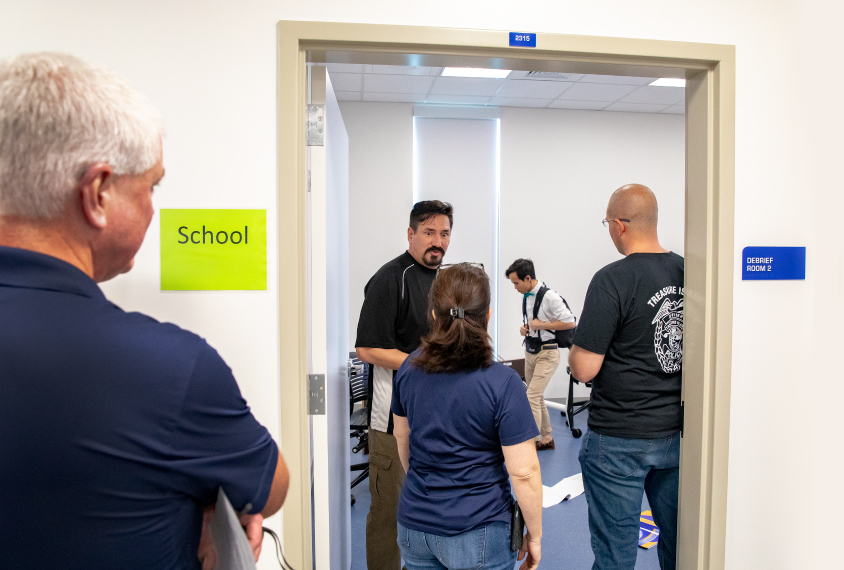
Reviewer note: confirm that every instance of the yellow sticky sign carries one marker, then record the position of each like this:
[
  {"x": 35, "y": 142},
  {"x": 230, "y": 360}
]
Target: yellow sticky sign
[{"x": 213, "y": 250}]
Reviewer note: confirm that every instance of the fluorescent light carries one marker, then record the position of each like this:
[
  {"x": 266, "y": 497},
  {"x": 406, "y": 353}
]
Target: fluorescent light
[
  {"x": 475, "y": 72},
  {"x": 668, "y": 82}
]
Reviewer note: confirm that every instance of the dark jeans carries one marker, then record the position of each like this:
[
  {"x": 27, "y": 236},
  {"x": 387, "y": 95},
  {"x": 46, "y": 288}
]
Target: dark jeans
[
  {"x": 486, "y": 547},
  {"x": 616, "y": 471}
]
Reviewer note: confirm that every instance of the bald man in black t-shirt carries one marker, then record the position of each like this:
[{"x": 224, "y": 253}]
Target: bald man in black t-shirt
[{"x": 630, "y": 344}]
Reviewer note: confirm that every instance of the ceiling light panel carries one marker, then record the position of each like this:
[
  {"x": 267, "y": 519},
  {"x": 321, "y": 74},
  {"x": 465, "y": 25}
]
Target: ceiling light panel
[
  {"x": 668, "y": 82},
  {"x": 475, "y": 72}
]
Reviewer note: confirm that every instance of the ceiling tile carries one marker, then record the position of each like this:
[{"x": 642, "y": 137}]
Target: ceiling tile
[
  {"x": 466, "y": 86},
  {"x": 458, "y": 99},
  {"x": 395, "y": 97},
  {"x": 635, "y": 108},
  {"x": 596, "y": 92},
  {"x": 675, "y": 110},
  {"x": 346, "y": 81},
  {"x": 566, "y": 104},
  {"x": 344, "y": 67},
  {"x": 397, "y": 84},
  {"x": 532, "y": 89},
  {"x": 402, "y": 70},
  {"x": 347, "y": 95},
  {"x": 617, "y": 79},
  {"x": 518, "y": 102},
  {"x": 657, "y": 95}
]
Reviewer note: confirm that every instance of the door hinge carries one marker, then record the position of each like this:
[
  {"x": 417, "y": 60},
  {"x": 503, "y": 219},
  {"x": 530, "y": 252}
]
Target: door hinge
[
  {"x": 682, "y": 417},
  {"x": 309, "y": 181},
  {"x": 316, "y": 394},
  {"x": 316, "y": 125}
]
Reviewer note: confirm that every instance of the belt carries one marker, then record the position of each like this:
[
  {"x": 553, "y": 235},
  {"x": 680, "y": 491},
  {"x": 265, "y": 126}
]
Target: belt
[{"x": 551, "y": 346}]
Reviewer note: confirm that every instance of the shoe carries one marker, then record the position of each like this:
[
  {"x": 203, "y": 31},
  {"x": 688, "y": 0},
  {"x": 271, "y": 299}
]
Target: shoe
[{"x": 543, "y": 446}]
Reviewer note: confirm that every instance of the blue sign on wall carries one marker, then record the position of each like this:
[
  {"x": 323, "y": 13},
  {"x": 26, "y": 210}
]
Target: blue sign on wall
[
  {"x": 773, "y": 263},
  {"x": 520, "y": 39}
]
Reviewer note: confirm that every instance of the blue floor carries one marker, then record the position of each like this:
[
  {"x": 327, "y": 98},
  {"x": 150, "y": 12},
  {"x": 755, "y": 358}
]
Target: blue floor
[{"x": 565, "y": 540}]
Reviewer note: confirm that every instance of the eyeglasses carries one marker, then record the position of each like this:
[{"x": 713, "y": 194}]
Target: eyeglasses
[
  {"x": 607, "y": 222},
  {"x": 444, "y": 265}
]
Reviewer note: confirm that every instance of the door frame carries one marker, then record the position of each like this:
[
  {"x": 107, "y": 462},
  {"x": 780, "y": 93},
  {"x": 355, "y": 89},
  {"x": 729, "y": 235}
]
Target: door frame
[{"x": 709, "y": 70}]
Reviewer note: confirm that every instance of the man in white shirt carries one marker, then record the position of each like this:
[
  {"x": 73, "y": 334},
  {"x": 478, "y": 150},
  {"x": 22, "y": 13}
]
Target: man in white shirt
[{"x": 542, "y": 355}]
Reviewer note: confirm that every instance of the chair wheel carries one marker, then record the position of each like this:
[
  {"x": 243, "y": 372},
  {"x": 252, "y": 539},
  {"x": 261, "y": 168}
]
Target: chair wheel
[
  {"x": 353, "y": 500},
  {"x": 576, "y": 433}
]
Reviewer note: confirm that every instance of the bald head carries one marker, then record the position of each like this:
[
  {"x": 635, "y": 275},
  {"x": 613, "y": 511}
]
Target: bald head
[{"x": 636, "y": 203}]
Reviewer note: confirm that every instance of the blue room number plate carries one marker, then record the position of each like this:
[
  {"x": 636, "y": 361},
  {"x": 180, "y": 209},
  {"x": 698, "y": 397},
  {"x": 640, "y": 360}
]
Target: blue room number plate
[
  {"x": 773, "y": 263},
  {"x": 521, "y": 39}
]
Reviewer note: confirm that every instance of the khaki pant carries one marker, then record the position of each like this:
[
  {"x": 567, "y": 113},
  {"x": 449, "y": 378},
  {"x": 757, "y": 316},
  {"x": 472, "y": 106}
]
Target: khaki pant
[
  {"x": 539, "y": 368},
  {"x": 386, "y": 477}
]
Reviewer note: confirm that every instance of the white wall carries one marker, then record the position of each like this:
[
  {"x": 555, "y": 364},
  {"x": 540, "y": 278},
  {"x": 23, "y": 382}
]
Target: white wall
[
  {"x": 380, "y": 180},
  {"x": 558, "y": 169},
  {"x": 210, "y": 67}
]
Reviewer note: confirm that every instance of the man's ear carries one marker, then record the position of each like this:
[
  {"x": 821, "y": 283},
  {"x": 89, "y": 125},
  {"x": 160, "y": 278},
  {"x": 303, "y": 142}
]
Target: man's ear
[
  {"x": 409, "y": 234},
  {"x": 94, "y": 189}
]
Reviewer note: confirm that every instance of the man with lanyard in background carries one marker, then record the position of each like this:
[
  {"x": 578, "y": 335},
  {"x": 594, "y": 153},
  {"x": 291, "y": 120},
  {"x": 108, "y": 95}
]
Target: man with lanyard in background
[
  {"x": 630, "y": 345},
  {"x": 542, "y": 355},
  {"x": 393, "y": 320}
]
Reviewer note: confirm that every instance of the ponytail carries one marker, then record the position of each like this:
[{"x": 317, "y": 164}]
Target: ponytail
[{"x": 458, "y": 339}]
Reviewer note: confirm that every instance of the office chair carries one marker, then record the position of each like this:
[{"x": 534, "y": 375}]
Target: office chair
[
  {"x": 359, "y": 391},
  {"x": 573, "y": 409}
]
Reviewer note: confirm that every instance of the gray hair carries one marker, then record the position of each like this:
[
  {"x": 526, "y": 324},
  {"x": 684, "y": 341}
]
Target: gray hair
[{"x": 58, "y": 116}]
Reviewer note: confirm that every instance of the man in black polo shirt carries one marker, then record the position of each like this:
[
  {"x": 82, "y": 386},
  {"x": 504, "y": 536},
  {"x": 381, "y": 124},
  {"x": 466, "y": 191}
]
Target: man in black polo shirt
[
  {"x": 630, "y": 344},
  {"x": 393, "y": 320},
  {"x": 117, "y": 430}
]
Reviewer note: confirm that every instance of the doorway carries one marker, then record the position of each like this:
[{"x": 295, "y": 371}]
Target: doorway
[{"x": 709, "y": 71}]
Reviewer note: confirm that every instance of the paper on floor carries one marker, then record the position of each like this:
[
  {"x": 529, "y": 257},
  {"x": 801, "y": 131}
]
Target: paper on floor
[{"x": 567, "y": 489}]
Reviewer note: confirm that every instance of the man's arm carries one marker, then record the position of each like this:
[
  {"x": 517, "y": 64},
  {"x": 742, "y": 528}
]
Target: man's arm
[
  {"x": 584, "y": 364},
  {"x": 389, "y": 358},
  {"x": 538, "y": 325},
  {"x": 401, "y": 431},
  {"x": 278, "y": 491}
]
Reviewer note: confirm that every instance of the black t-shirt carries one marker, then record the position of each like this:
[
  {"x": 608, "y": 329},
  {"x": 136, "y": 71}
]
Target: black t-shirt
[
  {"x": 394, "y": 316},
  {"x": 633, "y": 315}
]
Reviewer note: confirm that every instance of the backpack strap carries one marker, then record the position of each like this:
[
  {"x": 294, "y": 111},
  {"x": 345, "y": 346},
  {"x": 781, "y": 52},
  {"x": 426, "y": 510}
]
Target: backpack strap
[{"x": 538, "y": 302}]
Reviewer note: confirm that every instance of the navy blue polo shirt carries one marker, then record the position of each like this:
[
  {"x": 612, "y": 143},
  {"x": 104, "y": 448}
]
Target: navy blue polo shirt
[
  {"x": 458, "y": 422},
  {"x": 115, "y": 430}
]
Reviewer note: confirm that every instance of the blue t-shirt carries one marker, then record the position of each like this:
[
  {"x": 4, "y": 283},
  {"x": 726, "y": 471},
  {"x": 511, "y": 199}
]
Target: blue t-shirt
[
  {"x": 458, "y": 423},
  {"x": 115, "y": 430}
]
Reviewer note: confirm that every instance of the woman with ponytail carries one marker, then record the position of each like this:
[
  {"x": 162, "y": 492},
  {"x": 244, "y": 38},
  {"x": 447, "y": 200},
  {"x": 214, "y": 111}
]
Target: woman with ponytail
[{"x": 458, "y": 418}]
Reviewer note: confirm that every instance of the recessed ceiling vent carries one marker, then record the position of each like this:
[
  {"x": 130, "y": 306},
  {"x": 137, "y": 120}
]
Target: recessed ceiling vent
[{"x": 550, "y": 75}]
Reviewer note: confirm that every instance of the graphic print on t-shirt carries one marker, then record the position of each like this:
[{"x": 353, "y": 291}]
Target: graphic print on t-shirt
[{"x": 668, "y": 335}]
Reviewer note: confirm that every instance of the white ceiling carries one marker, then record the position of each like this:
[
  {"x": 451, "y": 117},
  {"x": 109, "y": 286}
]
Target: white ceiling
[{"x": 394, "y": 83}]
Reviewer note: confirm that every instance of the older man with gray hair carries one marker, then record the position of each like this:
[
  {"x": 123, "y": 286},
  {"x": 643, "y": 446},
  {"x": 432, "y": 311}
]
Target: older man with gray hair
[{"x": 117, "y": 430}]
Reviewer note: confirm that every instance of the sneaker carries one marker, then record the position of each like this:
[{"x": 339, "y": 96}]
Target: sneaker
[{"x": 543, "y": 446}]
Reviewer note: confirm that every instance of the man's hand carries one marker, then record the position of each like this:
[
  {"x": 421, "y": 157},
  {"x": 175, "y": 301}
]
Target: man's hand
[
  {"x": 207, "y": 553},
  {"x": 523, "y": 330},
  {"x": 254, "y": 527},
  {"x": 537, "y": 325},
  {"x": 533, "y": 549}
]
